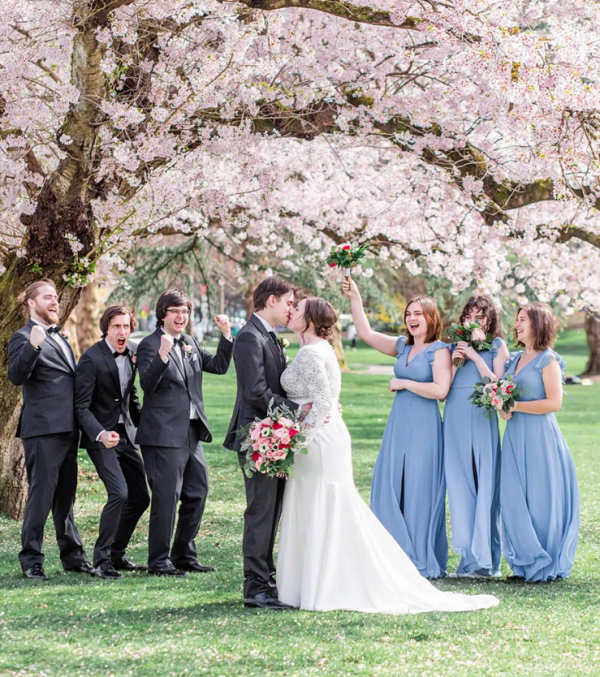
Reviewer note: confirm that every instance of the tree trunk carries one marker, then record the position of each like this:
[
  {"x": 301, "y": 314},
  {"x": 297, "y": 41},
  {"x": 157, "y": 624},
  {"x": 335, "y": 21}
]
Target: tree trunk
[
  {"x": 87, "y": 314},
  {"x": 592, "y": 331},
  {"x": 338, "y": 346}
]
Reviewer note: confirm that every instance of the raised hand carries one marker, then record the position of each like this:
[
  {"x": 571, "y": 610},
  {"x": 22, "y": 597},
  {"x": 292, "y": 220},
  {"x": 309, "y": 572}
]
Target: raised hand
[
  {"x": 109, "y": 438},
  {"x": 222, "y": 321},
  {"x": 468, "y": 352},
  {"x": 166, "y": 345},
  {"x": 37, "y": 336},
  {"x": 350, "y": 288}
]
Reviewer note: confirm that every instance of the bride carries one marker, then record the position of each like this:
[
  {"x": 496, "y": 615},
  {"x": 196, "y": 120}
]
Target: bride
[{"x": 333, "y": 552}]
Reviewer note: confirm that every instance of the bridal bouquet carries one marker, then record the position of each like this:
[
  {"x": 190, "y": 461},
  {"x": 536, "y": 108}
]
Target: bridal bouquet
[
  {"x": 473, "y": 334},
  {"x": 271, "y": 443},
  {"x": 498, "y": 395},
  {"x": 346, "y": 256}
]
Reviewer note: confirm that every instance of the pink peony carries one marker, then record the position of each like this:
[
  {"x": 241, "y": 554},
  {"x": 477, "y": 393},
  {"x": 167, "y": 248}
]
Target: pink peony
[
  {"x": 496, "y": 403},
  {"x": 477, "y": 335},
  {"x": 278, "y": 455},
  {"x": 285, "y": 422},
  {"x": 254, "y": 433}
]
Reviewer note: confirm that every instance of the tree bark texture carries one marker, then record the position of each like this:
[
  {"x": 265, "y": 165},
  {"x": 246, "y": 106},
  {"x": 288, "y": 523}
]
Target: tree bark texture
[{"x": 592, "y": 331}]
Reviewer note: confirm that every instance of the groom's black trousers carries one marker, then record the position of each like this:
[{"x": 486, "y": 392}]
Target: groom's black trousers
[
  {"x": 51, "y": 465},
  {"x": 264, "y": 497}
]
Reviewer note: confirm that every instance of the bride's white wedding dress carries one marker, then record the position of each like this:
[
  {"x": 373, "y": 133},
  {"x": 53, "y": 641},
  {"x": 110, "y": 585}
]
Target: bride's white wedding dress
[{"x": 333, "y": 552}]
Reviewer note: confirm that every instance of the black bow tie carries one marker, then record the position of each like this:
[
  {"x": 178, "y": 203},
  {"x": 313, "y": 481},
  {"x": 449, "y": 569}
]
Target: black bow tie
[
  {"x": 179, "y": 342},
  {"x": 55, "y": 329},
  {"x": 118, "y": 354}
]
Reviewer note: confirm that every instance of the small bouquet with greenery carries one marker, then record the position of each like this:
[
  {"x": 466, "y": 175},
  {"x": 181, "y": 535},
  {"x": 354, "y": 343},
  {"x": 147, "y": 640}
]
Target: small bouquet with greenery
[
  {"x": 271, "y": 443},
  {"x": 346, "y": 256},
  {"x": 499, "y": 395},
  {"x": 473, "y": 334}
]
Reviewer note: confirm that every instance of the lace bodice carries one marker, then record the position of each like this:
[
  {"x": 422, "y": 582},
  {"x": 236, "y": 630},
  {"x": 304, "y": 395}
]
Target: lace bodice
[{"x": 314, "y": 376}]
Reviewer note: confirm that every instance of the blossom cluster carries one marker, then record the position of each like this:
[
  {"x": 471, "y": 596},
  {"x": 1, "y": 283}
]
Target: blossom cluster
[{"x": 456, "y": 138}]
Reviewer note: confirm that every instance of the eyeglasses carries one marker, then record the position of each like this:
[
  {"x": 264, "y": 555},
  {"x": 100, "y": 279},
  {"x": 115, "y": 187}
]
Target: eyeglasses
[{"x": 177, "y": 311}]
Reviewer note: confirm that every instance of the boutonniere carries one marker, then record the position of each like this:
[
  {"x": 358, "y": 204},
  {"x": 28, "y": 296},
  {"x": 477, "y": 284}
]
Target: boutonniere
[
  {"x": 187, "y": 349},
  {"x": 65, "y": 335},
  {"x": 133, "y": 359},
  {"x": 283, "y": 342}
]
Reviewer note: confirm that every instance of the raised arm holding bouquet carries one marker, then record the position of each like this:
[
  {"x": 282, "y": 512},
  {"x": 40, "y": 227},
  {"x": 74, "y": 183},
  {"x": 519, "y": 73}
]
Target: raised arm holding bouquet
[{"x": 346, "y": 256}]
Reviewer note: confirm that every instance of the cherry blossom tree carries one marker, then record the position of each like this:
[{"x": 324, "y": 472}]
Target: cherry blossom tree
[{"x": 458, "y": 137}]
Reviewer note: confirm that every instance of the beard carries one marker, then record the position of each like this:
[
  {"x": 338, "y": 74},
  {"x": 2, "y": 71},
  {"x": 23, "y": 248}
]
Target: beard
[{"x": 46, "y": 316}]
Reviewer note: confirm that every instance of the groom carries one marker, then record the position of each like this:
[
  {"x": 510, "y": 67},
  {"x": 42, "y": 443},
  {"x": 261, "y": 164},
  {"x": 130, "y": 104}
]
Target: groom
[{"x": 259, "y": 363}]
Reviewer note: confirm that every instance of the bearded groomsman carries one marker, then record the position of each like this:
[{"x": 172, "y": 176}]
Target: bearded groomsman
[
  {"x": 42, "y": 362},
  {"x": 172, "y": 428},
  {"x": 108, "y": 410}
]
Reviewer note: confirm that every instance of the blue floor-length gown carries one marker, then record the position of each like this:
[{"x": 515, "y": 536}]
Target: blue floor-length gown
[
  {"x": 472, "y": 461},
  {"x": 409, "y": 488},
  {"x": 538, "y": 487}
]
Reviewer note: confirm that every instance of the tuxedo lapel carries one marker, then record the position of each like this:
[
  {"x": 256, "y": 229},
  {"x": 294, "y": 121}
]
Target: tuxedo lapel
[
  {"x": 275, "y": 350},
  {"x": 131, "y": 347},
  {"x": 58, "y": 351},
  {"x": 111, "y": 363}
]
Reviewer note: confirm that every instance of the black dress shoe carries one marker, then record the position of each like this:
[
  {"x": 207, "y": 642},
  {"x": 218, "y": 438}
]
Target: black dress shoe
[
  {"x": 195, "y": 567},
  {"x": 36, "y": 573},
  {"x": 107, "y": 570},
  {"x": 167, "y": 571},
  {"x": 83, "y": 568},
  {"x": 125, "y": 564},
  {"x": 264, "y": 600}
]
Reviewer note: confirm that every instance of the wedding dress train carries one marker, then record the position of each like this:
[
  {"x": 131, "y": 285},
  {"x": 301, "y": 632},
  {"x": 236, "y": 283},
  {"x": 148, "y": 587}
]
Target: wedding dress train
[{"x": 333, "y": 552}]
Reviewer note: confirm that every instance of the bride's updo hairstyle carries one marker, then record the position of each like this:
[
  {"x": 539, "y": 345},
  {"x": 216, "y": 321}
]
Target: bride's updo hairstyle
[{"x": 321, "y": 314}]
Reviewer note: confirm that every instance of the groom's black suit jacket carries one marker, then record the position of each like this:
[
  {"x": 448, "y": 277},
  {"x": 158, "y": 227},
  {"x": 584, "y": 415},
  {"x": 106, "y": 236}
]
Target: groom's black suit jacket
[
  {"x": 165, "y": 418},
  {"x": 48, "y": 382},
  {"x": 98, "y": 400},
  {"x": 259, "y": 363}
]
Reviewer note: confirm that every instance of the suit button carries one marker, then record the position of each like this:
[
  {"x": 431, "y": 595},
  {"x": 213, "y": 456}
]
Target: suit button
[{"x": 117, "y": 400}]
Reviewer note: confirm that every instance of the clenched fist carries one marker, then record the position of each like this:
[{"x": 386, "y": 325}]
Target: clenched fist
[
  {"x": 166, "y": 345},
  {"x": 109, "y": 438},
  {"x": 37, "y": 336},
  {"x": 222, "y": 321}
]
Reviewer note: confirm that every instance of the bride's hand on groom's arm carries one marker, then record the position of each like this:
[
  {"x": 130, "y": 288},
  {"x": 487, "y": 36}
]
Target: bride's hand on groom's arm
[{"x": 305, "y": 408}]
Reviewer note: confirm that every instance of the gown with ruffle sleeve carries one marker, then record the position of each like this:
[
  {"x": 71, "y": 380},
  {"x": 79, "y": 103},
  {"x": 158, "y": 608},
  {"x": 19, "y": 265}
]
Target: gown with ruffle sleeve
[
  {"x": 538, "y": 487},
  {"x": 472, "y": 462},
  {"x": 408, "y": 492}
]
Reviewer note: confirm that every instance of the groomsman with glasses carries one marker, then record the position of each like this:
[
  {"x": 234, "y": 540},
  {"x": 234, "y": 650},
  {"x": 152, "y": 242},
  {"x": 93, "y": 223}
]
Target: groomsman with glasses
[
  {"x": 173, "y": 426},
  {"x": 108, "y": 410},
  {"x": 42, "y": 362}
]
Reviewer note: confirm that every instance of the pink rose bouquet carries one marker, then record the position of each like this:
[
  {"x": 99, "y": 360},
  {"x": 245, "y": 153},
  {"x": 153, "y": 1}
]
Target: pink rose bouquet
[
  {"x": 473, "y": 334},
  {"x": 271, "y": 443},
  {"x": 499, "y": 395}
]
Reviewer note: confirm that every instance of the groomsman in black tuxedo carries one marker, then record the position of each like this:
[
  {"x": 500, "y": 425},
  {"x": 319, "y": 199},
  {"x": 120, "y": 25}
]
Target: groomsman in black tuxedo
[
  {"x": 108, "y": 410},
  {"x": 42, "y": 362},
  {"x": 259, "y": 363},
  {"x": 172, "y": 428}
]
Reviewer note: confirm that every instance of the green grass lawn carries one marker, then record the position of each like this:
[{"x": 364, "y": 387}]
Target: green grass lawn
[{"x": 145, "y": 626}]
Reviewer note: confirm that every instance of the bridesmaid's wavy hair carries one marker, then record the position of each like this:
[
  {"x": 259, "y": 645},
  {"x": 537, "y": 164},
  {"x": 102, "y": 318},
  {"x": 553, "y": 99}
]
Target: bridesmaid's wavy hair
[
  {"x": 321, "y": 314},
  {"x": 486, "y": 306},
  {"x": 544, "y": 325},
  {"x": 431, "y": 314}
]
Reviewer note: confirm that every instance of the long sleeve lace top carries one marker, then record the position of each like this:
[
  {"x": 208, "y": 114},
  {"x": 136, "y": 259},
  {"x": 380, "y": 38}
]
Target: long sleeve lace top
[{"x": 314, "y": 376}]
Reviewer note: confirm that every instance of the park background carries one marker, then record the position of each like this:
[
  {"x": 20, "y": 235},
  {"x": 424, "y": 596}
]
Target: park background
[{"x": 209, "y": 143}]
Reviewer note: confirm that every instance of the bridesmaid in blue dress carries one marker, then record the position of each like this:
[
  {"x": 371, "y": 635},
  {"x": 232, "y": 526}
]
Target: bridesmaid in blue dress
[
  {"x": 472, "y": 449},
  {"x": 408, "y": 492},
  {"x": 538, "y": 488}
]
